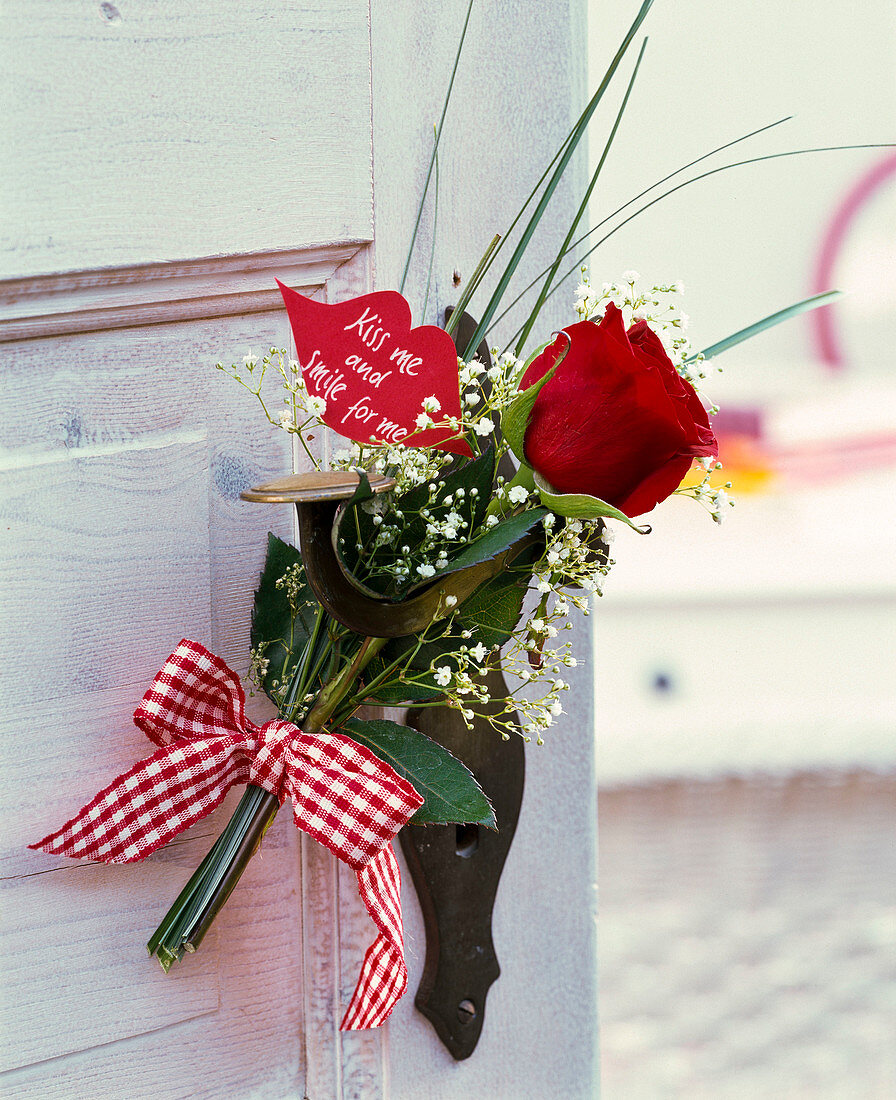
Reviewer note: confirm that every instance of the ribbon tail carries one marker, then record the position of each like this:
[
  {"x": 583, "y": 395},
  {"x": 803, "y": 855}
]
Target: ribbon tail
[
  {"x": 145, "y": 807},
  {"x": 354, "y": 803},
  {"x": 384, "y": 974}
]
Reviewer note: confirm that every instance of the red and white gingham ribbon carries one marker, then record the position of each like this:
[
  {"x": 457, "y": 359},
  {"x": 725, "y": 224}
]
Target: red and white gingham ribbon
[{"x": 342, "y": 795}]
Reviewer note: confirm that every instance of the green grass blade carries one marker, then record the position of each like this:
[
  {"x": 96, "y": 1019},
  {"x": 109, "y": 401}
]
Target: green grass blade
[
  {"x": 167, "y": 942},
  {"x": 179, "y": 906},
  {"x": 570, "y": 147},
  {"x": 460, "y": 46},
  {"x": 583, "y": 207},
  {"x": 634, "y": 199},
  {"x": 768, "y": 322},
  {"x": 500, "y": 240},
  {"x": 706, "y": 175},
  {"x": 432, "y": 250},
  {"x": 472, "y": 283}
]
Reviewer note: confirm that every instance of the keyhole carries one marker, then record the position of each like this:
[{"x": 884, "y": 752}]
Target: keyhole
[
  {"x": 663, "y": 683},
  {"x": 466, "y": 840}
]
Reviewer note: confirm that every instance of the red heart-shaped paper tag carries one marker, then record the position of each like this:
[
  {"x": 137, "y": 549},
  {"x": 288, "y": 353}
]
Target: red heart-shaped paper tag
[{"x": 374, "y": 371}]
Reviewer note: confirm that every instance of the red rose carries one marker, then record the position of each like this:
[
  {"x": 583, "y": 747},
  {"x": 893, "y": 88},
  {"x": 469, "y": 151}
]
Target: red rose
[{"x": 616, "y": 421}]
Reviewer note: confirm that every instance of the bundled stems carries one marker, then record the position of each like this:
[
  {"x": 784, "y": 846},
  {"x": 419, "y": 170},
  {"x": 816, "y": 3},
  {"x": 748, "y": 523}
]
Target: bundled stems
[{"x": 190, "y": 917}]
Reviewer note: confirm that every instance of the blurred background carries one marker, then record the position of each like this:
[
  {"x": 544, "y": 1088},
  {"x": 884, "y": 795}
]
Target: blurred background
[{"x": 746, "y": 678}]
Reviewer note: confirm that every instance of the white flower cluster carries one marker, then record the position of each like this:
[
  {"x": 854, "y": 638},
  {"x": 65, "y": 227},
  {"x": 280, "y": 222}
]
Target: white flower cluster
[
  {"x": 572, "y": 568},
  {"x": 714, "y": 498},
  {"x": 301, "y": 411},
  {"x": 445, "y": 533},
  {"x": 258, "y": 668},
  {"x": 655, "y": 305},
  {"x": 532, "y": 705},
  {"x": 408, "y": 465},
  {"x": 485, "y": 391},
  {"x": 511, "y": 496},
  {"x": 293, "y": 584},
  {"x": 575, "y": 558}
]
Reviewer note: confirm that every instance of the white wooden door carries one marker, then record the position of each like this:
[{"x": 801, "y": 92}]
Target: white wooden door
[{"x": 167, "y": 162}]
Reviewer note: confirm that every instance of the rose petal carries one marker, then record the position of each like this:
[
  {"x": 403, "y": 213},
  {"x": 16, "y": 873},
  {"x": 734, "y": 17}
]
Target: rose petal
[
  {"x": 693, "y": 416},
  {"x": 656, "y": 487},
  {"x": 603, "y": 422},
  {"x": 616, "y": 421}
]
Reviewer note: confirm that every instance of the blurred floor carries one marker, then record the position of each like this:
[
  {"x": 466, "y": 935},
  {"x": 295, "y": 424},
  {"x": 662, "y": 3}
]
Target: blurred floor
[{"x": 747, "y": 939}]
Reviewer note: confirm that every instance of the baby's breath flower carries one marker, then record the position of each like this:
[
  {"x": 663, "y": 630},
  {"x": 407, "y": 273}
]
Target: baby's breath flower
[{"x": 443, "y": 676}]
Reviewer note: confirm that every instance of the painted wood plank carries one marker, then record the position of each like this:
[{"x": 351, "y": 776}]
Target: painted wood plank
[
  {"x": 510, "y": 111},
  {"x": 323, "y": 1040},
  {"x": 540, "y": 1032},
  {"x": 252, "y": 1046},
  {"x": 157, "y": 132},
  {"x": 110, "y": 567},
  {"x": 57, "y": 752},
  {"x": 158, "y": 444},
  {"x": 64, "y": 393},
  {"x": 244, "y": 450},
  {"x": 103, "y": 391},
  {"x": 89, "y": 922}
]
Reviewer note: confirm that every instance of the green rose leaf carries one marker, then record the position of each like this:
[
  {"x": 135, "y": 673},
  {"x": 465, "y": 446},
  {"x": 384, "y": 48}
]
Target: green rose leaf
[
  {"x": 363, "y": 491},
  {"x": 493, "y": 542},
  {"x": 515, "y": 418},
  {"x": 582, "y": 506},
  {"x": 274, "y": 622},
  {"x": 490, "y": 614},
  {"x": 494, "y": 609},
  {"x": 450, "y": 793}
]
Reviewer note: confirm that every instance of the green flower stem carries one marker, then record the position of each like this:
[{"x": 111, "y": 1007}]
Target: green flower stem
[
  {"x": 244, "y": 843},
  {"x": 300, "y": 679},
  {"x": 213, "y": 880},
  {"x": 334, "y": 692},
  {"x": 187, "y": 921},
  {"x": 404, "y": 659}
]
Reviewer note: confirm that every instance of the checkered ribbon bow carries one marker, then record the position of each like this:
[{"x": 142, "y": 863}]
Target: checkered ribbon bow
[{"x": 342, "y": 795}]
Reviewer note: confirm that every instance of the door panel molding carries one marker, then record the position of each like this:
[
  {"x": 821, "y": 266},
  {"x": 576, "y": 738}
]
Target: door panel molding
[{"x": 159, "y": 293}]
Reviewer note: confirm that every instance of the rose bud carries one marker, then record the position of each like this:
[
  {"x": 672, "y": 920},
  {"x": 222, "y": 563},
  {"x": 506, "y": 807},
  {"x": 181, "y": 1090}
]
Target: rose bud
[{"x": 616, "y": 421}]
